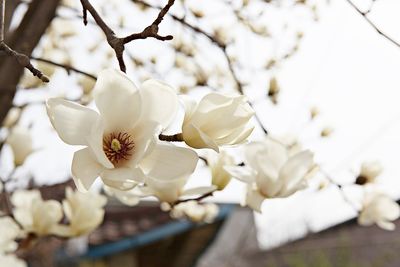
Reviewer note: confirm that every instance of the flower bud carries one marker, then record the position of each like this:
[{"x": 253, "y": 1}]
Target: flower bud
[
  {"x": 220, "y": 177},
  {"x": 20, "y": 142}
]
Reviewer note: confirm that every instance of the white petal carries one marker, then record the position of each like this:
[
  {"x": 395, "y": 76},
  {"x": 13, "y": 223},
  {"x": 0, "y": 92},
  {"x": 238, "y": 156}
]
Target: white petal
[
  {"x": 389, "y": 226},
  {"x": 238, "y": 136},
  {"x": 85, "y": 169},
  {"x": 254, "y": 199},
  {"x": 95, "y": 144},
  {"x": 167, "y": 162},
  {"x": 202, "y": 190},
  {"x": 295, "y": 169},
  {"x": 160, "y": 102},
  {"x": 189, "y": 106},
  {"x": 72, "y": 121},
  {"x": 144, "y": 136},
  {"x": 117, "y": 99},
  {"x": 122, "y": 178},
  {"x": 244, "y": 174},
  {"x": 164, "y": 189},
  {"x": 195, "y": 138}
]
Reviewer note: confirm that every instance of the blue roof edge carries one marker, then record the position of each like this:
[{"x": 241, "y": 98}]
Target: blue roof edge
[{"x": 164, "y": 231}]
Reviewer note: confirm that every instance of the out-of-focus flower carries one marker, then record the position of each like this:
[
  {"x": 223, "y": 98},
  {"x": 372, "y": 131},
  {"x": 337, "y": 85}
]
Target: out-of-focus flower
[
  {"x": 379, "y": 209},
  {"x": 87, "y": 84},
  {"x": 11, "y": 260},
  {"x": 216, "y": 120},
  {"x": 121, "y": 142},
  {"x": 370, "y": 170},
  {"x": 20, "y": 141},
  {"x": 220, "y": 177},
  {"x": 326, "y": 132},
  {"x": 84, "y": 211},
  {"x": 195, "y": 211},
  {"x": 9, "y": 231},
  {"x": 34, "y": 214},
  {"x": 314, "y": 112},
  {"x": 12, "y": 117},
  {"x": 271, "y": 172}
]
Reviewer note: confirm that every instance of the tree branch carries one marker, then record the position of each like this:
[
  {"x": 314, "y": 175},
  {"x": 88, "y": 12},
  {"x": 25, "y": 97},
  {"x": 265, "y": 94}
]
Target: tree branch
[
  {"x": 365, "y": 16},
  {"x": 2, "y": 19},
  {"x": 68, "y": 68},
  {"x": 118, "y": 43}
]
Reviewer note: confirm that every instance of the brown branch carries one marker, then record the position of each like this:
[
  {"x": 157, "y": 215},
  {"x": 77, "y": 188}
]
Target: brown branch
[
  {"x": 2, "y": 19},
  {"x": 171, "y": 138},
  {"x": 68, "y": 68},
  {"x": 365, "y": 16},
  {"x": 198, "y": 199},
  {"x": 118, "y": 43},
  {"x": 24, "y": 61}
]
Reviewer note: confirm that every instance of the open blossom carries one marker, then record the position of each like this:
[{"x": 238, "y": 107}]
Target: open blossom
[
  {"x": 370, "y": 170},
  {"x": 9, "y": 231},
  {"x": 216, "y": 120},
  {"x": 121, "y": 140},
  {"x": 220, "y": 177},
  {"x": 34, "y": 214},
  {"x": 379, "y": 209},
  {"x": 10, "y": 260},
  {"x": 271, "y": 172},
  {"x": 20, "y": 141},
  {"x": 84, "y": 211}
]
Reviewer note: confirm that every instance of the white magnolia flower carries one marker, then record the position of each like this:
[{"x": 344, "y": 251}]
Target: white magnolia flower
[
  {"x": 216, "y": 120},
  {"x": 379, "y": 209},
  {"x": 11, "y": 260},
  {"x": 220, "y": 177},
  {"x": 34, "y": 214},
  {"x": 9, "y": 231},
  {"x": 370, "y": 170},
  {"x": 272, "y": 171},
  {"x": 84, "y": 211},
  {"x": 121, "y": 141},
  {"x": 20, "y": 141}
]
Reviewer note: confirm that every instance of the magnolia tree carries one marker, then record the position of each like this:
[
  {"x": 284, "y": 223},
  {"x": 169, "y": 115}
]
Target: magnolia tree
[{"x": 147, "y": 139}]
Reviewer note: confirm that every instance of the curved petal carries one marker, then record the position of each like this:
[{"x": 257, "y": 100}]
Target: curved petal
[
  {"x": 85, "y": 169},
  {"x": 244, "y": 174},
  {"x": 238, "y": 136},
  {"x": 295, "y": 169},
  {"x": 72, "y": 121},
  {"x": 195, "y": 138},
  {"x": 122, "y": 178},
  {"x": 117, "y": 99},
  {"x": 160, "y": 102},
  {"x": 164, "y": 189},
  {"x": 95, "y": 144},
  {"x": 168, "y": 162},
  {"x": 144, "y": 136},
  {"x": 254, "y": 199},
  {"x": 189, "y": 106}
]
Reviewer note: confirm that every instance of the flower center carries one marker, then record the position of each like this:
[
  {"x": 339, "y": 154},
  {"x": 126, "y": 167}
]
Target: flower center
[{"x": 118, "y": 147}]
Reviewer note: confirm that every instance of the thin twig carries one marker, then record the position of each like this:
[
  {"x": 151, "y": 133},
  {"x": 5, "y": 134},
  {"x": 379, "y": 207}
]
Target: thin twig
[
  {"x": 365, "y": 16},
  {"x": 118, "y": 43},
  {"x": 171, "y": 138},
  {"x": 68, "y": 68},
  {"x": 24, "y": 61},
  {"x": 197, "y": 199}
]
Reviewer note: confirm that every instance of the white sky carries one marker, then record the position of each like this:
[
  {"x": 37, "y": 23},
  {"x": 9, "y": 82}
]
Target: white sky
[{"x": 344, "y": 67}]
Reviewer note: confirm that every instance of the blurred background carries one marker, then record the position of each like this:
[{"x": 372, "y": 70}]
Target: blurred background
[{"x": 317, "y": 71}]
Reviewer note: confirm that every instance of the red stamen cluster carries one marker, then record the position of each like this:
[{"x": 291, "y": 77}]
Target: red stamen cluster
[{"x": 124, "y": 153}]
